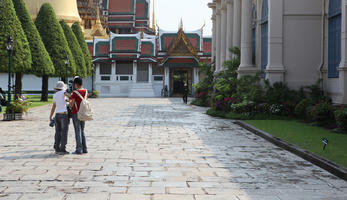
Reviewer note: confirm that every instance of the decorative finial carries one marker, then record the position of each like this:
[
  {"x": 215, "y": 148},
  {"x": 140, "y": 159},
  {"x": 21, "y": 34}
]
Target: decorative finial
[
  {"x": 153, "y": 17},
  {"x": 181, "y": 25}
]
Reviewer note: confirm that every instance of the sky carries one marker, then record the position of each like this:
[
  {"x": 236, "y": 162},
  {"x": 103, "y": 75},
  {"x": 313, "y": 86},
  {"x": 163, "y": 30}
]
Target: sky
[{"x": 193, "y": 13}]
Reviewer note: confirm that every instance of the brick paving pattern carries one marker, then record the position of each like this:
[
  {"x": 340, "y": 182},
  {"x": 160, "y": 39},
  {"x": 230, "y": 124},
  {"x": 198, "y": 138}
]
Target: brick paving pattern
[{"x": 154, "y": 149}]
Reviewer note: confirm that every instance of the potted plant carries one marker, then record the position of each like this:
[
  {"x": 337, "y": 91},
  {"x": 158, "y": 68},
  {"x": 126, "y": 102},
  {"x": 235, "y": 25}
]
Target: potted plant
[{"x": 15, "y": 110}]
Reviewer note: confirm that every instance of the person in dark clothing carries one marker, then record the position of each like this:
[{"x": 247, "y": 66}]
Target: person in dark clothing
[{"x": 185, "y": 93}]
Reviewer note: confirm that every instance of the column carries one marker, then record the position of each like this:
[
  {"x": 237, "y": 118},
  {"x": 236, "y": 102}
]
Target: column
[
  {"x": 134, "y": 71},
  {"x": 97, "y": 73},
  {"x": 150, "y": 73},
  {"x": 343, "y": 65},
  {"x": 223, "y": 34},
  {"x": 275, "y": 69},
  {"x": 213, "y": 7},
  {"x": 113, "y": 71},
  {"x": 246, "y": 66},
  {"x": 218, "y": 36},
  {"x": 167, "y": 78},
  {"x": 230, "y": 22},
  {"x": 237, "y": 24}
]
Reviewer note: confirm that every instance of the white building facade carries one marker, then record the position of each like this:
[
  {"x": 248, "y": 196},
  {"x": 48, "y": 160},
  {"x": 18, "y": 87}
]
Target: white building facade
[{"x": 294, "y": 41}]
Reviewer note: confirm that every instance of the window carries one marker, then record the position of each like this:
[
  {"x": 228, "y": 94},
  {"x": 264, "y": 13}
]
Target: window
[
  {"x": 157, "y": 70},
  {"x": 334, "y": 38},
  {"x": 264, "y": 37},
  {"x": 105, "y": 68},
  {"x": 124, "y": 68}
]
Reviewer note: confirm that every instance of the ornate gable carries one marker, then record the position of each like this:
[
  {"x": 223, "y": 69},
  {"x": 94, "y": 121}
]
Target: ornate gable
[{"x": 181, "y": 46}]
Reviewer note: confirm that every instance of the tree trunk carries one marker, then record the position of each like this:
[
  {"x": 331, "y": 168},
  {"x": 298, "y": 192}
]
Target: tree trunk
[
  {"x": 44, "y": 92},
  {"x": 18, "y": 85}
]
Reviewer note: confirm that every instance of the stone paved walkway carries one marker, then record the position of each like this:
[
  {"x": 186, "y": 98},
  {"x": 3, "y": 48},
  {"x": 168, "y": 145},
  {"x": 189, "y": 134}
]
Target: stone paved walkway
[{"x": 155, "y": 149}]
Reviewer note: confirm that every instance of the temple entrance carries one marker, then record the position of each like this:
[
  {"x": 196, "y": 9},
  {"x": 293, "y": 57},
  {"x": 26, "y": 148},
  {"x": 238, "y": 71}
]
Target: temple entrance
[
  {"x": 142, "y": 72},
  {"x": 180, "y": 77}
]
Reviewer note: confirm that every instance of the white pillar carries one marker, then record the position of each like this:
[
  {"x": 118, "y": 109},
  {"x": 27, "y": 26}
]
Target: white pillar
[
  {"x": 150, "y": 72},
  {"x": 275, "y": 69},
  {"x": 223, "y": 34},
  {"x": 246, "y": 66},
  {"x": 134, "y": 71},
  {"x": 97, "y": 73},
  {"x": 230, "y": 22},
  {"x": 113, "y": 71},
  {"x": 237, "y": 24},
  {"x": 213, "y": 7},
  {"x": 343, "y": 65},
  {"x": 167, "y": 78},
  {"x": 218, "y": 37}
]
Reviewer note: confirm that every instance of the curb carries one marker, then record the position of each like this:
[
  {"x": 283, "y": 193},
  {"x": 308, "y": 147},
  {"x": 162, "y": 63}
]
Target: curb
[{"x": 327, "y": 165}]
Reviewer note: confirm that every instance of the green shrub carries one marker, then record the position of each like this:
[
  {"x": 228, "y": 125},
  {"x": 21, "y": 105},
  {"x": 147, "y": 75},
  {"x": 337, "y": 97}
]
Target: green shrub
[
  {"x": 76, "y": 28},
  {"x": 301, "y": 108},
  {"x": 95, "y": 93},
  {"x": 341, "y": 119},
  {"x": 203, "y": 102},
  {"x": 244, "y": 107},
  {"x": 18, "y": 107},
  {"x": 323, "y": 113}
]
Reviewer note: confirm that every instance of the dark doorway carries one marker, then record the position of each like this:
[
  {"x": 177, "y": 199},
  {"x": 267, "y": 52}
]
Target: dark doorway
[{"x": 180, "y": 77}]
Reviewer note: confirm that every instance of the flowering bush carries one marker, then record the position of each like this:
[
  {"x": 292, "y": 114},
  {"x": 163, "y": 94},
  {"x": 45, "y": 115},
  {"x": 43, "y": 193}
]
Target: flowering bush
[
  {"x": 19, "y": 106},
  {"x": 276, "y": 109},
  {"x": 244, "y": 107},
  {"x": 225, "y": 104},
  {"x": 322, "y": 113},
  {"x": 341, "y": 119}
]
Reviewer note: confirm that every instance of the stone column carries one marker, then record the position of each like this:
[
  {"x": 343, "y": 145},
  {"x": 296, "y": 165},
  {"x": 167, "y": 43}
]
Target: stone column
[
  {"x": 343, "y": 64},
  {"x": 218, "y": 36},
  {"x": 113, "y": 71},
  {"x": 167, "y": 78},
  {"x": 223, "y": 34},
  {"x": 134, "y": 71},
  {"x": 150, "y": 73},
  {"x": 213, "y": 7},
  {"x": 97, "y": 73},
  {"x": 237, "y": 24},
  {"x": 246, "y": 66},
  {"x": 275, "y": 69},
  {"x": 230, "y": 22}
]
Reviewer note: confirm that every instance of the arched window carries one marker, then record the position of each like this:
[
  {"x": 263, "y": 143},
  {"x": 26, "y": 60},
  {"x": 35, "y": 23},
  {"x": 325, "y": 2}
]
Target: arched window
[
  {"x": 334, "y": 38},
  {"x": 264, "y": 36},
  {"x": 254, "y": 18}
]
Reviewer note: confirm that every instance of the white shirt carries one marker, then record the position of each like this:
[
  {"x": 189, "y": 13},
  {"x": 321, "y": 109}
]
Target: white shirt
[{"x": 59, "y": 100}]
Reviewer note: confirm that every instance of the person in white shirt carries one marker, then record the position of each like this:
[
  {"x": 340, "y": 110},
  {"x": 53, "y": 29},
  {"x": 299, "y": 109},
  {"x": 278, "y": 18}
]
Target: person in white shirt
[{"x": 61, "y": 118}]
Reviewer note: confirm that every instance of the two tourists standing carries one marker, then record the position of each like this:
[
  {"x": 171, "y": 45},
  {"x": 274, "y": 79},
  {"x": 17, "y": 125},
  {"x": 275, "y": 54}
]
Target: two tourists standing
[{"x": 81, "y": 112}]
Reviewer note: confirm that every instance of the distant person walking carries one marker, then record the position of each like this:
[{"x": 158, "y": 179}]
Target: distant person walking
[
  {"x": 61, "y": 120},
  {"x": 75, "y": 101}
]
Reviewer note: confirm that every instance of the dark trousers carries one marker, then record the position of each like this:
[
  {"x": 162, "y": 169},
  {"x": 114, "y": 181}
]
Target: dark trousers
[
  {"x": 61, "y": 130},
  {"x": 81, "y": 144},
  {"x": 185, "y": 98}
]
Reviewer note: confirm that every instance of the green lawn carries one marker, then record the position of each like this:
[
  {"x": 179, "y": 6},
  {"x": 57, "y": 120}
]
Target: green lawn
[
  {"x": 35, "y": 101},
  {"x": 307, "y": 137}
]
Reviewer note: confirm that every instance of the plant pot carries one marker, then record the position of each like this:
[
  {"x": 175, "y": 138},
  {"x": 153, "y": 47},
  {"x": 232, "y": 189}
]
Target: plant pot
[
  {"x": 18, "y": 116},
  {"x": 8, "y": 117},
  {"x": 13, "y": 116}
]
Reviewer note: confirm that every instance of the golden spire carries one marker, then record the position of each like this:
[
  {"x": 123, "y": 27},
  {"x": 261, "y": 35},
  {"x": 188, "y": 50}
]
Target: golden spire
[
  {"x": 153, "y": 17},
  {"x": 181, "y": 24}
]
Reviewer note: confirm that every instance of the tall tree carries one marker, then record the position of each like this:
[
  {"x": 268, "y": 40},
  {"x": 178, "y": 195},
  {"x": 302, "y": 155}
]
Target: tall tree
[
  {"x": 76, "y": 50},
  {"x": 41, "y": 61},
  {"x": 55, "y": 42},
  {"x": 11, "y": 26},
  {"x": 76, "y": 28}
]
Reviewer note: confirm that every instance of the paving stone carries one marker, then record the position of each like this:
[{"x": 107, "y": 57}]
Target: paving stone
[{"x": 152, "y": 149}]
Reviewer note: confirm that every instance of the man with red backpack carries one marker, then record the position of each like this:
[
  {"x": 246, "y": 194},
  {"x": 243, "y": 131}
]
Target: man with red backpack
[{"x": 76, "y": 99}]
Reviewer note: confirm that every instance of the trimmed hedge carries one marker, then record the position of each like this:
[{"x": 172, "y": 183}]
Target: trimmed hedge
[
  {"x": 41, "y": 61},
  {"x": 76, "y": 28},
  {"x": 11, "y": 26},
  {"x": 75, "y": 48}
]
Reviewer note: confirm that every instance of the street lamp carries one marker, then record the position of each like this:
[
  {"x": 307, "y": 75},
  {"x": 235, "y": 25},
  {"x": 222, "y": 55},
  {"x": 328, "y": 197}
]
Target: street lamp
[
  {"x": 66, "y": 68},
  {"x": 10, "y": 48}
]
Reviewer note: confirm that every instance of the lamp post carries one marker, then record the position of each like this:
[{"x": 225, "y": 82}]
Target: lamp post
[
  {"x": 66, "y": 68},
  {"x": 10, "y": 48}
]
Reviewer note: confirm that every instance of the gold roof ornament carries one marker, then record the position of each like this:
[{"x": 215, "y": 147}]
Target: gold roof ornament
[
  {"x": 98, "y": 29},
  {"x": 153, "y": 18},
  {"x": 64, "y": 9}
]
